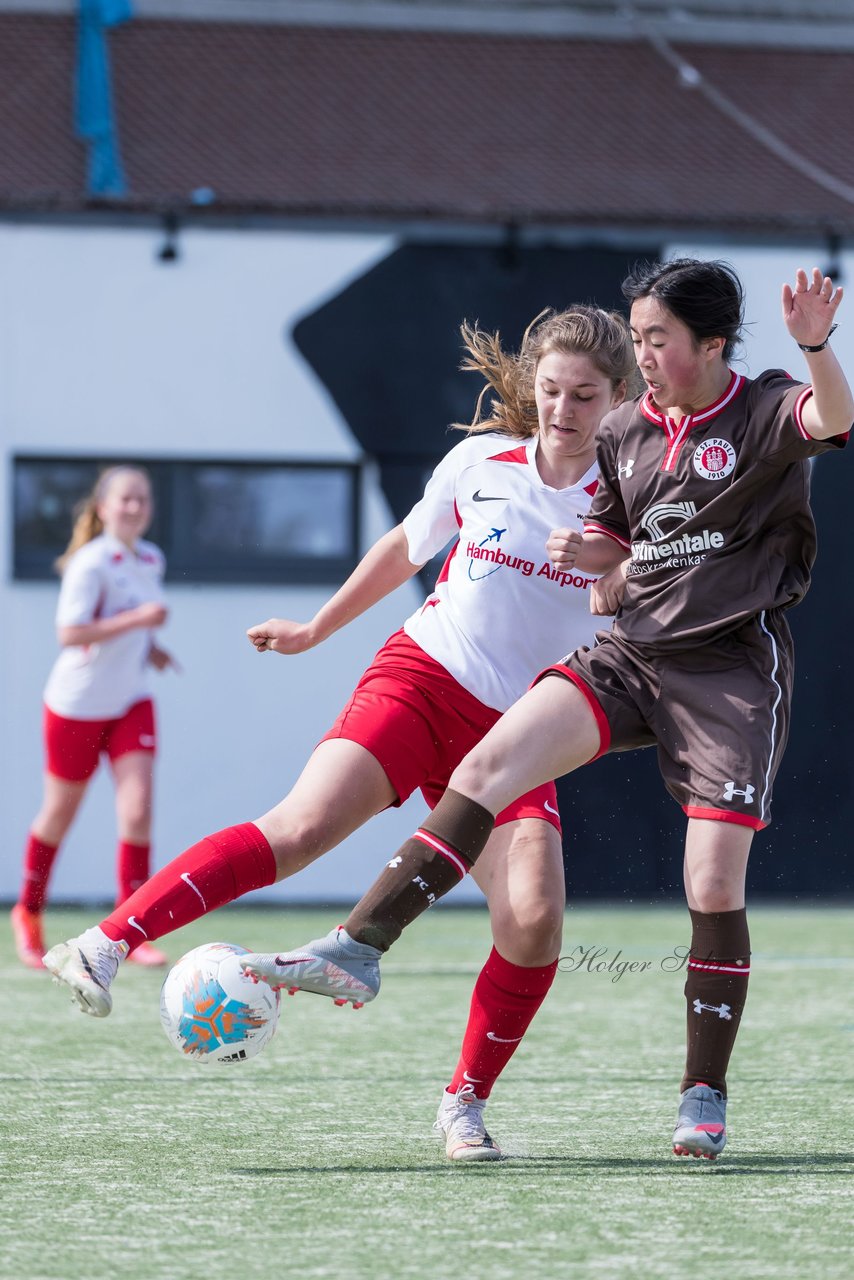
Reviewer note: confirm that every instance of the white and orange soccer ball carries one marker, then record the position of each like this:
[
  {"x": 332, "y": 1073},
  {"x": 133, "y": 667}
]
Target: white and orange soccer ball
[{"x": 212, "y": 1011}]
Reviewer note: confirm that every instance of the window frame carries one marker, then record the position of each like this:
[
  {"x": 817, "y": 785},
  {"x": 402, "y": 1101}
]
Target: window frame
[{"x": 172, "y": 529}]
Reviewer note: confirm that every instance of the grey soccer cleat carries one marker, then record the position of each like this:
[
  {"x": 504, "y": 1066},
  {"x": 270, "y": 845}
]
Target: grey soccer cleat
[
  {"x": 700, "y": 1123},
  {"x": 87, "y": 966},
  {"x": 460, "y": 1121},
  {"x": 335, "y": 966}
]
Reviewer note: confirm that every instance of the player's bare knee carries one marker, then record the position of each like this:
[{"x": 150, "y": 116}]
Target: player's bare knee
[
  {"x": 134, "y": 822},
  {"x": 472, "y": 777},
  {"x": 297, "y": 844},
  {"x": 716, "y": 893},
  {"x": 529, "y": 933}
]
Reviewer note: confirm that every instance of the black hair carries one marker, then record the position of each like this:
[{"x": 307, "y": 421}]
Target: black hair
[{"x": 706, "y": 296}]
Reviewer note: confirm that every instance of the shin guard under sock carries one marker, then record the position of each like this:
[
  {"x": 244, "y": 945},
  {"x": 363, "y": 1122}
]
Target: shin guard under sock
[
  {"x": 209, "y": 874},
  {"x": 132, "y": 868},
  {"x": 716, "y": 991},
  {"x": 430, "y": 863},
  {"x": 504, "y": 1001},
  {"x": 39, "y": 858}
]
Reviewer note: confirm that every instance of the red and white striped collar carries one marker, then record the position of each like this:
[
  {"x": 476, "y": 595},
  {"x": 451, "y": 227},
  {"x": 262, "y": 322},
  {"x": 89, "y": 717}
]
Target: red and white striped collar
[{"x": 652, "y": 413}]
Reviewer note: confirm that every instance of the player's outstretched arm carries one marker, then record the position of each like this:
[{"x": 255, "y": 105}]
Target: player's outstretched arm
[
  {"x": 385, "y": 568},
  {"x": 809, "y": 310},
  {"x": 143, "y": 617}
]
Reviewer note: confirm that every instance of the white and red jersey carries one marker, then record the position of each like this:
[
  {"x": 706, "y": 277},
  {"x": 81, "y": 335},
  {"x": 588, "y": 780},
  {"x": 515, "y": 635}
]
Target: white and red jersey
[
  {"x": 102, "y": 579},
  {"x": 501, "y": 611}
]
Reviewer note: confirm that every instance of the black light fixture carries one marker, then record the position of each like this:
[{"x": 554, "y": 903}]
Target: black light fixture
[
  {"x": 169, "y": 249},
  {"x": 833, "y": 267}
]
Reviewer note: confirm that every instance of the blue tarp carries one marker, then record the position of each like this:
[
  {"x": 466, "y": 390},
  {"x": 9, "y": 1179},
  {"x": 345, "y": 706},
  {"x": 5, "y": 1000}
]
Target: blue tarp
[{"x": 94, "y": 116}]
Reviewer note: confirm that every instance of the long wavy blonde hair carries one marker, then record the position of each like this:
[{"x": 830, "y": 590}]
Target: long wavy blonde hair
[
  {"x": 604, "y": 336},
  {"x": 87, "y": 523}
]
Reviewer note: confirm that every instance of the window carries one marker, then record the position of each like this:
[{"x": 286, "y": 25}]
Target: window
[{"x": 216, "y": 520}]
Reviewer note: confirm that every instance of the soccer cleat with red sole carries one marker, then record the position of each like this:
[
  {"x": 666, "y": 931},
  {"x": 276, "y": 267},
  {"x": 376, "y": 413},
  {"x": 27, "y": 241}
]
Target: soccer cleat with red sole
[
  {"x": 700, "y": 1123},
  {"x": 335, "y": 966}
]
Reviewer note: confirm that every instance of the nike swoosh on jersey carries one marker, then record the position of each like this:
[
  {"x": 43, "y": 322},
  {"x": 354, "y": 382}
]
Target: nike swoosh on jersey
[{"x": 482, "y": 497}]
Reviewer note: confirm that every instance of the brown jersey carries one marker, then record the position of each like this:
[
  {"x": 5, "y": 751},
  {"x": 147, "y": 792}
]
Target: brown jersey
[{"x": 715, "y": 510}]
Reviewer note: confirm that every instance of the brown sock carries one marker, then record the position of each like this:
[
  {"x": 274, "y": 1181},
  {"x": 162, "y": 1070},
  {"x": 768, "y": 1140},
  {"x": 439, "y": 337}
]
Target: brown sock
[
  {"x": 716, "y": 991},
  {"x": 429, "y": 864}
]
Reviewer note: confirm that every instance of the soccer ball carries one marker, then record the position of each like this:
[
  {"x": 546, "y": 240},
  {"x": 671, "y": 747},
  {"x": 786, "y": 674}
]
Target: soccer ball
[{"x": 214, "y": 1012}]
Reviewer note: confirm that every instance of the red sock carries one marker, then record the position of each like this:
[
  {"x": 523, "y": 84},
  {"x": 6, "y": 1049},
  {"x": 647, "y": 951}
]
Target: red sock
[
  {"x": 38, "y": 864},
  {"x": 209, "y": 874},
  {"x": 505, "y": 998},
  {"x": 132, "y": 868}
]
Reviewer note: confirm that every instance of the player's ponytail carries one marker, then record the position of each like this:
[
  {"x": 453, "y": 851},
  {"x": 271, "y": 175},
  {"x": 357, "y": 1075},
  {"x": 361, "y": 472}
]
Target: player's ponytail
[
  {"x": 512, "y": 410},
  {"x": 604, "y": 336}
]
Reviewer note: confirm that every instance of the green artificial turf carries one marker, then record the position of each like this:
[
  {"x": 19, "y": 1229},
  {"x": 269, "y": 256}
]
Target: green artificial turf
[{"x": 317, "y": 1159}]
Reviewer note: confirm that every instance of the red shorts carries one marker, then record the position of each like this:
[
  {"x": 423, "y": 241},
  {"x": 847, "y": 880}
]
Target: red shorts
[
  {"x": 419, "y": 723},
  {"x": 73, "y": 747}
]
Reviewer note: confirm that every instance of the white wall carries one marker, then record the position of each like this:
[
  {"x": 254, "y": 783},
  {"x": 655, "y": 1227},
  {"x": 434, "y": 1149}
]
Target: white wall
[
  {"x": 763, "y": 272},
  {"x": 103, "y": 347}
]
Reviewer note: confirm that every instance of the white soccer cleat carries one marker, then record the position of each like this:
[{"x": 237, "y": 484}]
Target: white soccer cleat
[
  {"x": 335, "y": 966},
  {"x": 460, "y": 1121},
  {"x": 700, "y": 1123},
  {"x": 87, "y": 966}
]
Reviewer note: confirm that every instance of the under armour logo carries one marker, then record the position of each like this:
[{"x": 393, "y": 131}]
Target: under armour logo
[
  {"x": 625, "y": 470},
  {"x": 731, "y": 791},
  {"x": 722, "y": 1010},
  {"x": 395, "y": 862}
]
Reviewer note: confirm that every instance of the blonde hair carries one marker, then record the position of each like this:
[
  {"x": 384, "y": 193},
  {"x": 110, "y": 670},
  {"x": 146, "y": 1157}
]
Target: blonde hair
[
  {"x": 87, "y": 523},
  {"x": 604, "y": 336}
]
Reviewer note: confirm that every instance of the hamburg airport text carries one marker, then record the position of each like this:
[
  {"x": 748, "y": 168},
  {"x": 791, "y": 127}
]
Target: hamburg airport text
[{"x": 527, "y": 567}]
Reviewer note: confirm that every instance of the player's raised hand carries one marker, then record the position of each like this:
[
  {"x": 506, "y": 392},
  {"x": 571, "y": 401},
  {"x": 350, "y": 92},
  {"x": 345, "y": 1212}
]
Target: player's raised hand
[
  {"x": 279, "y": 635},
  {"x": 563, "y": 546},
  {"x": 810, "y": 306}
]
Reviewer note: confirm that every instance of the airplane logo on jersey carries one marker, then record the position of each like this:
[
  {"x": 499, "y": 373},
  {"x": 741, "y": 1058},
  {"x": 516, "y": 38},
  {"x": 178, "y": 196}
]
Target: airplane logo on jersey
[
  {"x": 490, "y": 563},
  {"x": 486, "y": 557}
]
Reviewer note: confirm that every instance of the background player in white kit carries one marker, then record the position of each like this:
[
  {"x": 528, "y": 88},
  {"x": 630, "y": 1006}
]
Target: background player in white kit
[
  {"x": 499, "y": 612},
  {"x": 97, "y": 699}
]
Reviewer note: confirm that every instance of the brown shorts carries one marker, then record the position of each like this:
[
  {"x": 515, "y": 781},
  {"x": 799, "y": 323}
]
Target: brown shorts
[{"x": 718, "y": 714}]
